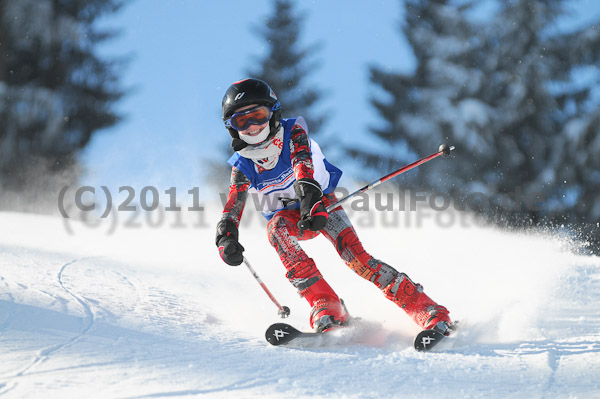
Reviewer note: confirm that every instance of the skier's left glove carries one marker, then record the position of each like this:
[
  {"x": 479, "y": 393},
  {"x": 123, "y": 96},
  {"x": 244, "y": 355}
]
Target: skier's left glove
[
  {"x": 227, "y": 242},
  {"x": 313, "y": 215}
]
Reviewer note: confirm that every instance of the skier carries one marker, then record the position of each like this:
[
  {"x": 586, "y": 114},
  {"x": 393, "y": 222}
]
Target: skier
[{"x": 276, "y": 160}]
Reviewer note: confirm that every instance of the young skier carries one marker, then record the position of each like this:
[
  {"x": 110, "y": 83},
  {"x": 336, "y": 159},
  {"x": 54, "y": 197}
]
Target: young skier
[{"x": 276, "y": 160}]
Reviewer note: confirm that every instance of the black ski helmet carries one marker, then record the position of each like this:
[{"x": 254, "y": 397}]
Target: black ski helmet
[{"x": 246, "y": 92}]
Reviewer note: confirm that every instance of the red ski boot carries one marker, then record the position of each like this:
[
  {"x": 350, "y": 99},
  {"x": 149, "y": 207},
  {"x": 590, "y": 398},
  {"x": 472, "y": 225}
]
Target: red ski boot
[
  {"x": 328, "y": 311},
  {"x": 422, "y": 309}
]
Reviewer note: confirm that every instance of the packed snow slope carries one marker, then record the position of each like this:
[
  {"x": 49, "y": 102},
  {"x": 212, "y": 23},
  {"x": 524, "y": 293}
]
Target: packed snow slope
[{"x": 150, "y": 311}]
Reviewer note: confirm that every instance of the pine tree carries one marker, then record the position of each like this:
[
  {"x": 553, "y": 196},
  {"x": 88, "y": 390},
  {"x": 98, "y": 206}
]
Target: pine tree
[
  {"x": 503, "y": 92},
  {"x": 576, "y": 88},
  {"x": 434, "y": 105},
  {"x": 286, "y": 65},
  {"x": 55, "y": 91},
  {"x": 540, "y": 107},
  {"x": 524, "y": 127}
]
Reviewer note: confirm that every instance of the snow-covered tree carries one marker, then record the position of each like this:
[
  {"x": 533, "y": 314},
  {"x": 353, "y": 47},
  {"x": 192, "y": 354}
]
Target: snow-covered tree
[
  {"x": 543, "y": 126},
  {"x": 508, "y": 93},
  {"x": 55, "y": 91},
  {"x": 286, "y": 65},
  {"x": 437, "y": 103},
  {"x": 576, "y": 88}
]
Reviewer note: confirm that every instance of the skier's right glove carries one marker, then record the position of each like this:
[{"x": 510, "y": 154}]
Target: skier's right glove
[
  {"x": 227, "y": 242},
  {"x": 313, "y": 215}
]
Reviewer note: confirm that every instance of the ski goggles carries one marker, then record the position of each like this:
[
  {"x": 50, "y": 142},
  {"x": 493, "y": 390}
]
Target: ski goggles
[{"x": 253, "y": 116}]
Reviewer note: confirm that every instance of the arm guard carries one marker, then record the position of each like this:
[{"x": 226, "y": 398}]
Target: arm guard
[
  {"x": 301, "y": 156},
  {"x": 236, "y": 198}
]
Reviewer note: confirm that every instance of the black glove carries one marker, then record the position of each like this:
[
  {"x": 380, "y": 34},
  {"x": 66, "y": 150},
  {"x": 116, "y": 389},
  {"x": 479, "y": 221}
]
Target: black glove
[
  {"x": 313, "y": 215},
  {"x": 227, "y": 242}
]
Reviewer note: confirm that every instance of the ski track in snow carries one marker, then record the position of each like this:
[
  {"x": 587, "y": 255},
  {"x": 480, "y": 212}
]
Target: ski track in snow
[
  {"x": 44, "y": 354},
  {"x": 155, "y": 314}
]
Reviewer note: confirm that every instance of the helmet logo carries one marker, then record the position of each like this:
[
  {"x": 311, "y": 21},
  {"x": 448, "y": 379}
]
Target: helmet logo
[{"x": 239, "y": 96}]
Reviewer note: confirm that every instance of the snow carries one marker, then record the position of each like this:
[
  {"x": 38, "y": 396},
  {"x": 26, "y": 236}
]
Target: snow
[
  {"x": 154, "y": 313},
  {"x": 575, "y": 130}
]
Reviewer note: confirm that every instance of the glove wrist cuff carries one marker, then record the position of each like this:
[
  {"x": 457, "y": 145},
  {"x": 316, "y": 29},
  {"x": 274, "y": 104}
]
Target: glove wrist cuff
[
  {"x": 306, "y": 186},
  {"x": 226, "y": 228},
  {"x": 221, "y": 240}
]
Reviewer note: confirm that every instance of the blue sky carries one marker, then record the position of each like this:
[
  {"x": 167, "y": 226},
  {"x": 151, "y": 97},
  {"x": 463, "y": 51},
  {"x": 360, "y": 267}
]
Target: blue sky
[{"x": 185, "y": 55}]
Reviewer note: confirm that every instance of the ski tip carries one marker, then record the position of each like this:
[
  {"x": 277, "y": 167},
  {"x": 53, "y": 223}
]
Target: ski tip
[
  {"x": 427, "y": 340},
  {"x": 280, "y": 334}
]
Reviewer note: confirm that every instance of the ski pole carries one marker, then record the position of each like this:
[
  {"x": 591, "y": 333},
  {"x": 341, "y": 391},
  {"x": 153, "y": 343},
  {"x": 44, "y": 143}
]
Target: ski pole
[
  {"x": 443, "y": 150},
  {"x": 284, "y": 311}
]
